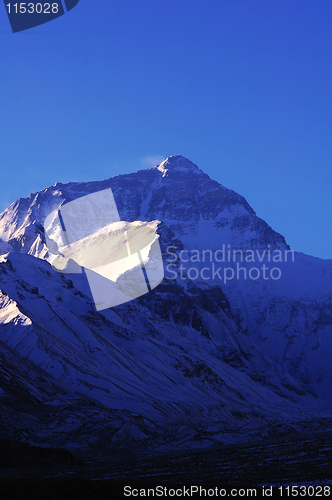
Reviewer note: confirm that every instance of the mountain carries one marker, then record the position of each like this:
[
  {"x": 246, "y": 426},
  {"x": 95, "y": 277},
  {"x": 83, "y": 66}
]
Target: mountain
[
  {"x": 199, "y": 211},
  {"x": 214, "y": 354}
]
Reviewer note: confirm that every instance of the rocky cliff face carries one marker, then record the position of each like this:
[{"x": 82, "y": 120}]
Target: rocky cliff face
[{"x": 198, "y": 360}]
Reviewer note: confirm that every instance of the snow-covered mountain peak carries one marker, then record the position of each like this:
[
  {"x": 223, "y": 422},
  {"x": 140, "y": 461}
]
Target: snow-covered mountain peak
[
  {"x": 178, "y": 163},
  {"x": 201, "y": 212}
]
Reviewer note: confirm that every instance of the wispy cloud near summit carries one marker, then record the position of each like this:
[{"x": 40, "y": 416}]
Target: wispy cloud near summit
[{"x": 151, "y": 160}]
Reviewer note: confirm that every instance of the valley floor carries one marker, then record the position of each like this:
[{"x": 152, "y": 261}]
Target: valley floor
[{"x": 301, "y": 460}]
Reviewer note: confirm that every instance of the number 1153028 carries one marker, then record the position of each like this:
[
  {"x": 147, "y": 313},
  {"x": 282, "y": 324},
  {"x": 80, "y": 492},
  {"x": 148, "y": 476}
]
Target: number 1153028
[{"x": 32, "y": 8}]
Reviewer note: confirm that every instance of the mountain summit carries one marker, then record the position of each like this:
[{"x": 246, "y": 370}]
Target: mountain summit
[
  {"x": 178, "y": 163},
  {"x": 197, "y": 209}
]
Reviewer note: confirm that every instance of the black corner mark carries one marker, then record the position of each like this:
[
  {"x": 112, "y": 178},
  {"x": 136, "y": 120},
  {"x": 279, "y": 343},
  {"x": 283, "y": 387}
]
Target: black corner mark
[
  {"x": 26, "y": 15},
  {"x": 70, "y": 4}
]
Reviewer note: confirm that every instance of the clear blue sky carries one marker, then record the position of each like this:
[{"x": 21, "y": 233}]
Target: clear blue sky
[{"x": 243, "y": 88}]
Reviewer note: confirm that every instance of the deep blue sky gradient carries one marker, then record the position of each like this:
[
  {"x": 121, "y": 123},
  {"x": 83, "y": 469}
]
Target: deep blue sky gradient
[{"x": 242, "y": 88}]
